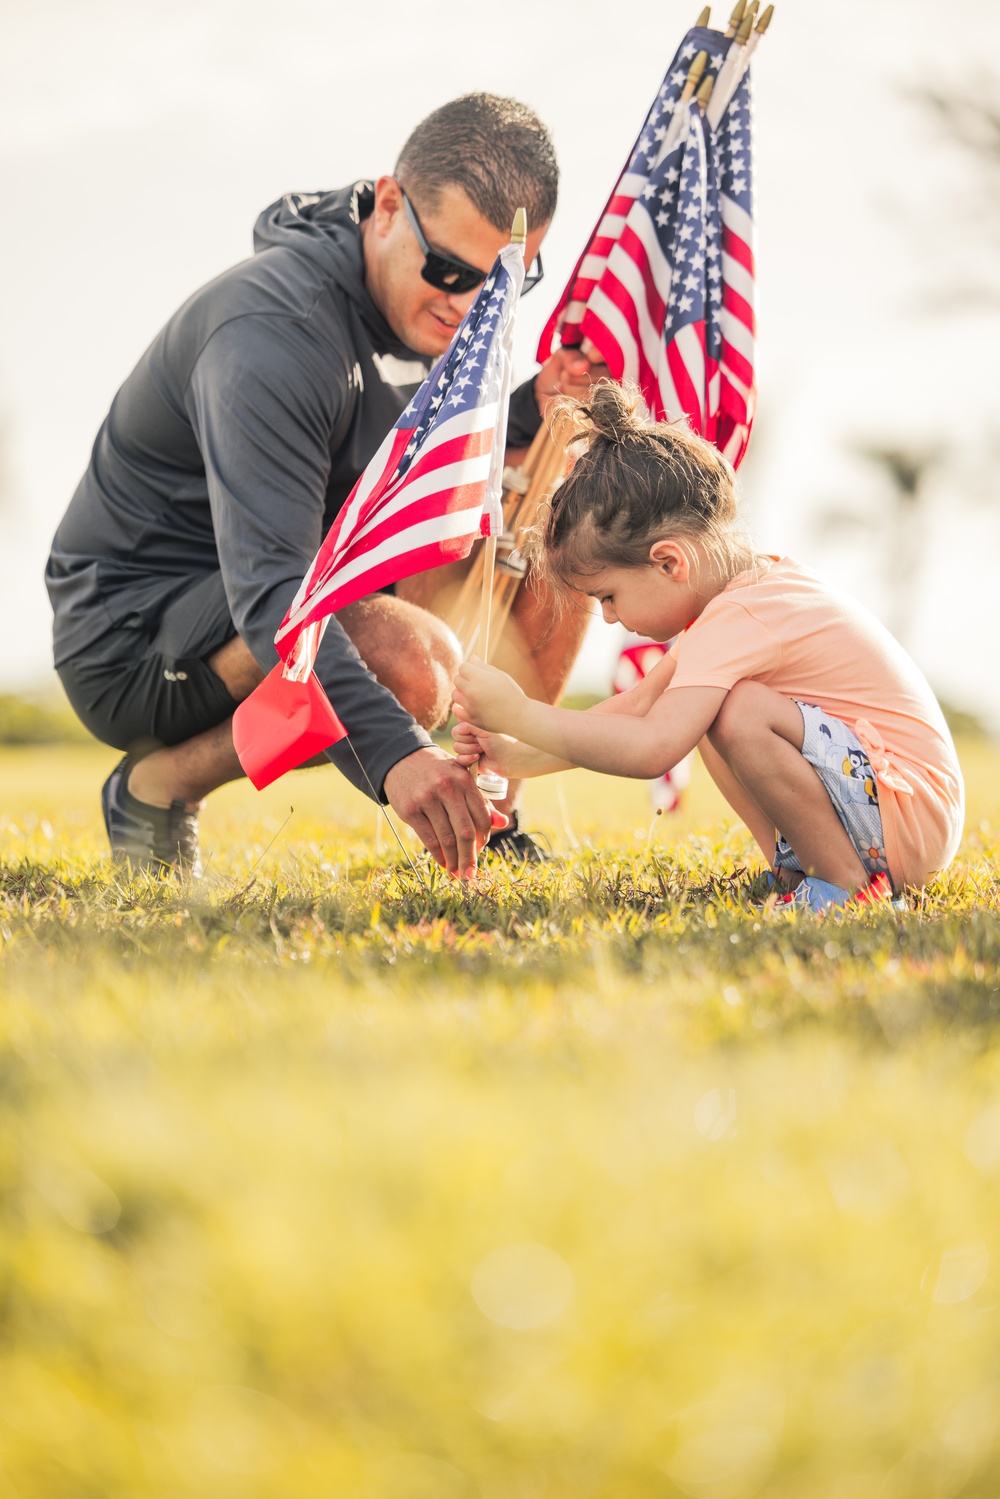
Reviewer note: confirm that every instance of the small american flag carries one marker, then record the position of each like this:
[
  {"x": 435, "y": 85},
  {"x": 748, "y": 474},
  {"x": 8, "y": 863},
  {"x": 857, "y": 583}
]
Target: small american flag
[
  {"x": 430, "y": 491},
  {"x": 665, "y": 287},
  {"x": 434, "y": 485}
]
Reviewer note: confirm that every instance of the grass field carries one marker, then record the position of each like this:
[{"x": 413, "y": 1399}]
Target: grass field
[{"x": 326, "y": 1179}]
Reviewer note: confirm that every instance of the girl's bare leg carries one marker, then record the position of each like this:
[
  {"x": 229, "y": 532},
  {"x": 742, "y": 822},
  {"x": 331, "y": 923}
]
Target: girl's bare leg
[
  {"x": 743, "y": 805},
  {"x": 758, "y": 736}
]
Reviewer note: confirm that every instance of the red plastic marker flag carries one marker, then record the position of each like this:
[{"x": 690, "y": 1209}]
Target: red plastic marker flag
[
  {"x": 291, "y": 720},
  {"x": 431, "y": 490},
  {"x": 664, "y": 289}
]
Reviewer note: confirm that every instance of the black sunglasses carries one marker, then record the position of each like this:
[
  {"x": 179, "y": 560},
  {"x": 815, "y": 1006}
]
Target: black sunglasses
[{"x": 450, "y": 274}]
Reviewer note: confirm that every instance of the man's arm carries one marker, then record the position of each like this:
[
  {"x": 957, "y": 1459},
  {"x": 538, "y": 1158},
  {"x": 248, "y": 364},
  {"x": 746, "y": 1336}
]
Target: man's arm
[{"x": 266, "y": 405}]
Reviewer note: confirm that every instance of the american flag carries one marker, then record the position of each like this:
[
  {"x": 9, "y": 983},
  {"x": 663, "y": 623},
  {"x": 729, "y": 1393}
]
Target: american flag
[
  {"x": 733, "y": 325},
  {"x": 434, "y": 485},
  {"x": 664, "y": 289}
]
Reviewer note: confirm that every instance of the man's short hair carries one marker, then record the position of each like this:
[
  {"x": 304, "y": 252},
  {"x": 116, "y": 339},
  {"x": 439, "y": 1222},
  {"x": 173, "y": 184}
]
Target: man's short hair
[{"x": 496, "y": 150}]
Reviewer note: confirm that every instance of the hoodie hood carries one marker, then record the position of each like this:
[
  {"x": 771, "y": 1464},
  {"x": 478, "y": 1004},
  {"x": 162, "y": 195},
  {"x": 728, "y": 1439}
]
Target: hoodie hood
[{"x": 327, "y": 227}]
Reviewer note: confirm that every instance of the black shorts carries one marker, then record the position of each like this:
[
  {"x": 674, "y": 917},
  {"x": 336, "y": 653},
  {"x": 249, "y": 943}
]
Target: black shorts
[{"x": 136, "y": 690}]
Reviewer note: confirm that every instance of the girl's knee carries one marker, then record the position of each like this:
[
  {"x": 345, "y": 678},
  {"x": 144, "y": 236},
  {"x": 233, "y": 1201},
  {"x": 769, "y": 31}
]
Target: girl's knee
[{"x": 736, "y": 717}]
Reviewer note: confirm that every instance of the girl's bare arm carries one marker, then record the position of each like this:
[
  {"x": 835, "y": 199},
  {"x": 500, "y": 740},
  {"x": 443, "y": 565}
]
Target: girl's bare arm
[
  {"x": 501, "y": 753},
  {"x": 512, "y": 758},
  {"x": 640, "y": 698},
  {"x": 612, "y": 742}
]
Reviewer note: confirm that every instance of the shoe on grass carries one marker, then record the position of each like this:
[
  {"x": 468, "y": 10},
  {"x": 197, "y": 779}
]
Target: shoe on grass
[
  {"x": 515, "y": 845},
  {"x": 819, "y": 895},
  {"x": 158, "y": 839}
]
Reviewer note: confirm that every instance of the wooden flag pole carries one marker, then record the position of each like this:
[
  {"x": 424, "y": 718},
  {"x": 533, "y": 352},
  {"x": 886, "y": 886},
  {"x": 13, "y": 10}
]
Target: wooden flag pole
[
  {"x": 486, "y": 598},
  {"x": 546, "y": 477},
  {"x": 461, "y": 613},
  {"x": 737, "y": 61},
  {"x": 491, "y": 785},
  {"x": 678, "y": 120},
  {"x": 759, "y": 30}
]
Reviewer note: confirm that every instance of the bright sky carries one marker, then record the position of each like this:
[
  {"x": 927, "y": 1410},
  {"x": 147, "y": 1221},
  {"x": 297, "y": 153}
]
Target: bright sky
[{"x": 138, "y": 142}]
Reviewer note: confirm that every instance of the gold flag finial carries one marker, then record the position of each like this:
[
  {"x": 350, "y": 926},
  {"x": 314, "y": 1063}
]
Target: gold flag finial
[
  {"x": 694, "y": 76},
  {"x": 746, "y": 25},
  {"x": 704, "y": 92},
  {"x": 736, "y": 17},
  {"x": 764, "y": 21},
  {"x": 705, "y": 16},
  {"x": 519, "y": 230}
]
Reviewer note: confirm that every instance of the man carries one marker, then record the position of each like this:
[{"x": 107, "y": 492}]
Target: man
[{"x": 228, "y": 452}]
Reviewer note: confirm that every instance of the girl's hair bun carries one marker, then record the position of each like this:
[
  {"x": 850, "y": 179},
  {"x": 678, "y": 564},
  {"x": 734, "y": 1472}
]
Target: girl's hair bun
[
  {"x": 633, "y": 481},
  {"x": 613, "y": 412}
]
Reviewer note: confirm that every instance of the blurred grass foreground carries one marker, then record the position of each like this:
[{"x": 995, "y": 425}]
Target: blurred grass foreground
[{"x": 326, "y": 1179}]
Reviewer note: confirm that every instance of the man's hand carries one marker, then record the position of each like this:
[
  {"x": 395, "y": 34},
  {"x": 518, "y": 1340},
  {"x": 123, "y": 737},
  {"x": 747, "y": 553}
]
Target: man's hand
[
  {"x": 568, "y": 372},
  {"x": 485, "y": 696},
  {"x": 438, "y": 798}
]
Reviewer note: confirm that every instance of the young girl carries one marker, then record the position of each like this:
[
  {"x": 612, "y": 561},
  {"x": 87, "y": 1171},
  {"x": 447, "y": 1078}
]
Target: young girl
[{"x": 813, "y": 722}]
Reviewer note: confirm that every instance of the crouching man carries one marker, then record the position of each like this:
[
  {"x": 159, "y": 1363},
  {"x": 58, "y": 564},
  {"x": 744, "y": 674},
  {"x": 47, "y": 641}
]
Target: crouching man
[{"x": 228, "y": 452}]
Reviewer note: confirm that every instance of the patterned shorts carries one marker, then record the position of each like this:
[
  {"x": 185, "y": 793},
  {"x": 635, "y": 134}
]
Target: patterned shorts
[{"x": 835, "y": 752}]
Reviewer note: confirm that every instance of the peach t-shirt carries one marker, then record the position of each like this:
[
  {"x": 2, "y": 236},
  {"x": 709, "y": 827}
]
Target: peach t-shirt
[{"x": 784, "y": 626}]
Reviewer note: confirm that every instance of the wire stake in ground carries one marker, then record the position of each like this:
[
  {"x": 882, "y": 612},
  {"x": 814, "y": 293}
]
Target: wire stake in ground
[{"x": 377, "y": 799}]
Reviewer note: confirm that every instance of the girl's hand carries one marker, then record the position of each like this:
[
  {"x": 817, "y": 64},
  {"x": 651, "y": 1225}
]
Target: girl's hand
[
  {"x": 467, "y": 742},
  {"x": 485, "y": 696},
  {"x": 500, "y": 753}
]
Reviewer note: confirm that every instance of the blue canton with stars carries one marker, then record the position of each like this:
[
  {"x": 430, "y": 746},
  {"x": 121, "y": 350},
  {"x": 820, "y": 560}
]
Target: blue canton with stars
[
  {"x": 732, "y": 149},
  {"x": 470, "y": 373},
  {"x": 729, "y": 174},
  {"x": 682, "y": 193},
  {"x": 698, "y": 39},
  {"x": 677, "y": 199}
]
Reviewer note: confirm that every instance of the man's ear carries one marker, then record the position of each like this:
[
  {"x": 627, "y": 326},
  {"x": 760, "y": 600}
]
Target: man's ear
[
  {"x": 388, "y": 204},
  {"x": 671, "y": 558}
]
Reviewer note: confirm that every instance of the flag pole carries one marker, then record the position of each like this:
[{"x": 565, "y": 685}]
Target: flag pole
[
  {"x": 731, "y": 73},
  {"x": 492, "y": 786},
  {"x": 678, "y": 120},
  {"x": 486, "y": 599},
  {"x": 727, "y": 80}
]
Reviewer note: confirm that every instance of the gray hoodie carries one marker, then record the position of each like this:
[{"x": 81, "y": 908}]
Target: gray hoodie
[{"x": 233, "y": 444}]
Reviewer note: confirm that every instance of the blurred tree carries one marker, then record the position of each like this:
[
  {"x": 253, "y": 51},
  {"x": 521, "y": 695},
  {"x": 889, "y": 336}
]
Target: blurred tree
[
  {"x": 967, "y": 117},
  {"x": 916, "y": 476},
  {"x": 897, "y": 521},
  {"x": 39, "y": 720}
]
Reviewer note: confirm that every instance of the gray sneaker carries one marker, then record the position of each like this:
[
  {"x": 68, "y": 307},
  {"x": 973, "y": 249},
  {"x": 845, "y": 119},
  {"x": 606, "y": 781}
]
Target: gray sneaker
[{"x": 159, "y": 839}]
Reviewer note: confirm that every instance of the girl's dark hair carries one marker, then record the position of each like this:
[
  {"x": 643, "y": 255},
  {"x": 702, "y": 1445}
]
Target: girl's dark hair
[{"x": 634, "y": 482}]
